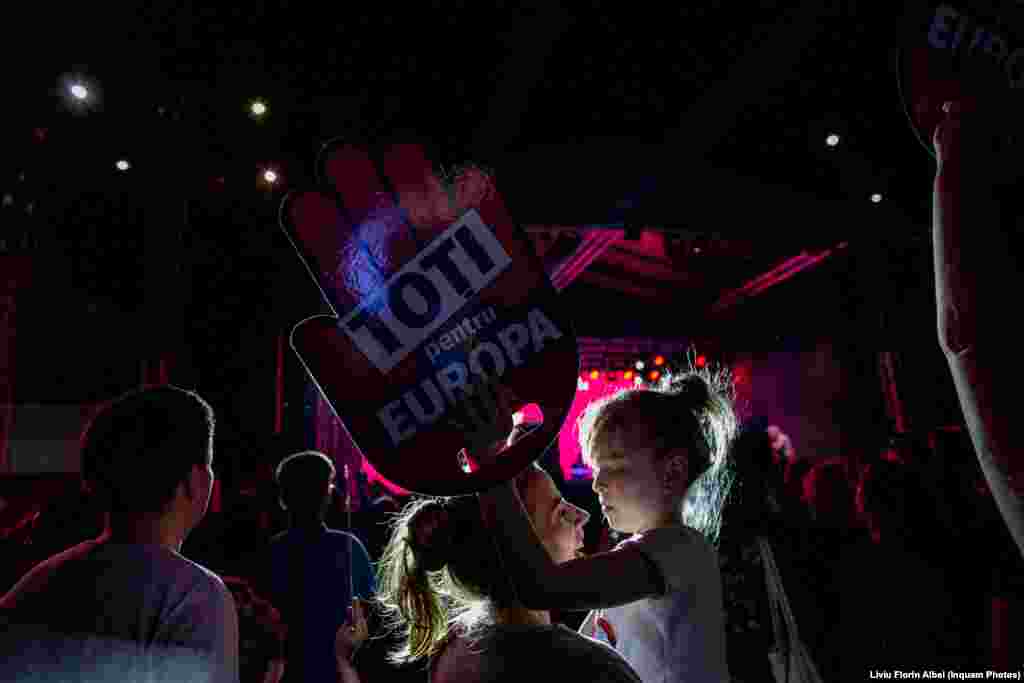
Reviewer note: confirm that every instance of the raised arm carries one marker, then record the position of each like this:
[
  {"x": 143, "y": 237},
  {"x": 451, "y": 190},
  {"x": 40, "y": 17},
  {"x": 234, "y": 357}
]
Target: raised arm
[
  {"x": 602, "y": 580},
  {"x": 964, "y": 210}
]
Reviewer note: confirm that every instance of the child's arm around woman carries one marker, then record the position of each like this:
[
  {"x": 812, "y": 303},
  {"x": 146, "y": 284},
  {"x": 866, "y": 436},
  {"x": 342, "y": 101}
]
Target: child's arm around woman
[{"x": 645, "y": 447}]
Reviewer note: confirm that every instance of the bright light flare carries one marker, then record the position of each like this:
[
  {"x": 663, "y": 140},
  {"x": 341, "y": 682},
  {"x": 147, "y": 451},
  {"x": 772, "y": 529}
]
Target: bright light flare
[
  {"x": 832, "y": 140},
  {"x": 257, "y": 108},
  {"x": 876, "y": 198},
  {"x": 270, "y": 177},
  {"x": 123, "y": 165},
  {"x": 79, "y": 91}
]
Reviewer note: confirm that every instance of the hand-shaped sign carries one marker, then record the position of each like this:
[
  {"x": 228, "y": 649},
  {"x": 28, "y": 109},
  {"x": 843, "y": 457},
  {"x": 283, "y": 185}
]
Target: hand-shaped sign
[
  {"x": 971, "y": 53},
  {"x": 434, "y": 290}
]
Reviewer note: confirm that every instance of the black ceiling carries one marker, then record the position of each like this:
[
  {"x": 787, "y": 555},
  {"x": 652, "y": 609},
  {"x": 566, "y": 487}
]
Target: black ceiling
[{"x": 706, "y": 121}]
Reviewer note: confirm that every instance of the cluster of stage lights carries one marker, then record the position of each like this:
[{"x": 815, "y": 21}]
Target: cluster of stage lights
[
  {"x": 636, "y": 374},
  {"x": 81, "y": 93},
  {"x": 832, "y": 140}
]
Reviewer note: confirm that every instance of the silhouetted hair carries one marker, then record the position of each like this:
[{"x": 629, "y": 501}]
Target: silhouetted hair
[
  {"x": 829, "y": 495},
  {"x": 892, "y": 498},
  {"x": 140, "y": 446},
  {"x": 739, "y": 497},
  {"x": 441, "y": 570},
  {"x": 303, "y": 479},
  {"x": 692, "y": 410}
]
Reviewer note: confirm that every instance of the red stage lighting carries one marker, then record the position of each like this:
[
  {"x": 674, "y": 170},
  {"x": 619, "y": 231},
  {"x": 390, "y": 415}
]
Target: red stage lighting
[
  {"x": 654, "y": 375},
  {"x": 701, "y": 361},
  {"x": 594, "y": 374},
  {"x": 659, "y": 360},
  {"x": 628, "y": 374}
]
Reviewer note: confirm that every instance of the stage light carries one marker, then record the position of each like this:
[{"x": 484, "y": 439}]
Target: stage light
[
  {"x": 639, "y": 365},
  {"x": 876, "y": 198},
  {"x": 654, "y": 375},
  {"x": 79, "y": 93},
  {"x": 594, "y": 374},
  {"x": 270, "y": 176},
  {"x": 638, "y": 381},
  {"x": 123, "y": 165},
  {"x": 701, "y": 361},
  {"x": 627, "y": 375},
  {"x": 832, "y": 140},
  {"x": 659, "y": 360},
  {"x": 258, "y": 108}
]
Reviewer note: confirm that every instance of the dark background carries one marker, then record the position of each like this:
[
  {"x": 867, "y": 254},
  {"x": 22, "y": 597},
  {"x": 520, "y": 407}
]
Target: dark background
[{"x": 705, "y": 126}]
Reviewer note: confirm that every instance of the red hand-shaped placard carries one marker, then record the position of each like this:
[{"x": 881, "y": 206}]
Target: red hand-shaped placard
[{"x": 434, "y": 289}]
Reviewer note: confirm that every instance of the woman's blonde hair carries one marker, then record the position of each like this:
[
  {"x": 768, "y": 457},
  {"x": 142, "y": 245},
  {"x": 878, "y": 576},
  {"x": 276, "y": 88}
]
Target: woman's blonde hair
[{"x": 441, "y": 573}]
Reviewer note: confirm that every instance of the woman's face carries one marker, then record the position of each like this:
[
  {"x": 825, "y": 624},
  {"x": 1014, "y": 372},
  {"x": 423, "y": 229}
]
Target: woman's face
[{"x": 558, "y": 523}]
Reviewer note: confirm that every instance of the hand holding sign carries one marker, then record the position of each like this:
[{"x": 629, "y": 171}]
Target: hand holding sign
[
  {"x": 485, "y": 418},
  {"x": 414, "y": 270},
  {"x": 971, "y": 54}
]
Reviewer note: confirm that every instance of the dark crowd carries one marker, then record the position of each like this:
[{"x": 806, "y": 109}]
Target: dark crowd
[{"x": 880, "y": 563}]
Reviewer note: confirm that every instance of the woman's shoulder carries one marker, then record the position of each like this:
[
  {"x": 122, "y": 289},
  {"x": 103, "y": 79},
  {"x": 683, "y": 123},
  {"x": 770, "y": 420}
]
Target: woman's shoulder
[
  {"x": 593, "y": 659},
  {"x": 512, "y": 652}
]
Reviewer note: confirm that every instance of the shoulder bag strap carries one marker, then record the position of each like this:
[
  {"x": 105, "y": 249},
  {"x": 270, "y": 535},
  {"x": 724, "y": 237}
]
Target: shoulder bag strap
[{"x": 776, "y": 597}]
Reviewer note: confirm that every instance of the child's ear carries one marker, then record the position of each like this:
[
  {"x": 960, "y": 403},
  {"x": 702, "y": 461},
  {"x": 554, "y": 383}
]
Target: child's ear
[{"x": 676, "y": 471}]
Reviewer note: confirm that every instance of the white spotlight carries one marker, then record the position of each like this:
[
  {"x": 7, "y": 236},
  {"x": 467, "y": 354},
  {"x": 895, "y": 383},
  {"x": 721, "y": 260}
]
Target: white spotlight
[
  {"x": 79, "y": 91},
  {"x": 832, "y": 140},
  {"x": 876, "y": 198},
  {"x": 270, "y": 176},
  {"x": 258, "y": 108},
  {"x": 123, "y": 165},
  {"x": 639, "y": 365}
]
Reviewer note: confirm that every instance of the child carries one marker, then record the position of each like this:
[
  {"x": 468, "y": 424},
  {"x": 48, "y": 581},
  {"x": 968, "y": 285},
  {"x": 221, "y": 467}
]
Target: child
[
  {"x": 658, "y": 594},
  {"x": 443, "y": 588}
]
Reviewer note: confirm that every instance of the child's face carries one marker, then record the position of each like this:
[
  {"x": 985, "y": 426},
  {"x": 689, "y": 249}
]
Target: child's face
[{"x": 629, "y": 479}]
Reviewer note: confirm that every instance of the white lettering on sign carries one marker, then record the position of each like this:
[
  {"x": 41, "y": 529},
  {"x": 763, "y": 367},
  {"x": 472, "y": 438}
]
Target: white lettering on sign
[
  {"x": 426, "y": 402},
  {"x": 394, "y": 320},
  {"x": 1016, "y": 74},
  {"x": 940, "y": 34},
  {"x": 947, "y": 32},
  {"x": 460, "y": 333}
]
